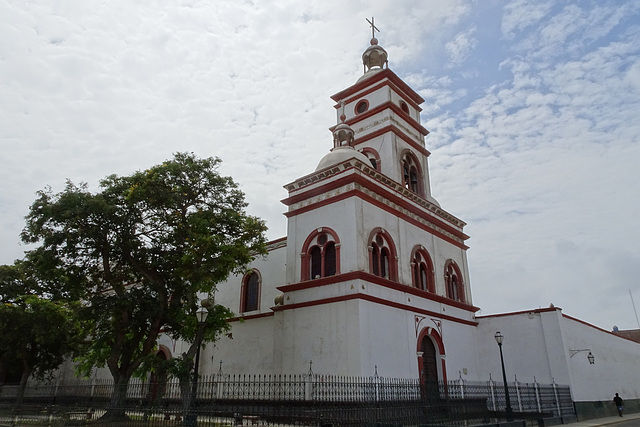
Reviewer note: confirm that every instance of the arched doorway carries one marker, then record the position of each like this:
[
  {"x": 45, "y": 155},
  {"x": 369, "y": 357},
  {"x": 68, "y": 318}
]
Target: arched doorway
[
  {"x": 158, "y": 380},
  {"x": 429, "y": 371}
]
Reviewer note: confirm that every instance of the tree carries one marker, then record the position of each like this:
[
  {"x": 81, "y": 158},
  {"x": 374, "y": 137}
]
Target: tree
[
  {"x": 140, "y": 251},
  {"x": 38, "y": 333},
  {"x": 186, "y": 328}
]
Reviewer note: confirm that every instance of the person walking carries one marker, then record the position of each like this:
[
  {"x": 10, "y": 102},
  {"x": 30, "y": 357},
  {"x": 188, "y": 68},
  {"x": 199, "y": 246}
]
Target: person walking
[{"x": 617, "y": 400}]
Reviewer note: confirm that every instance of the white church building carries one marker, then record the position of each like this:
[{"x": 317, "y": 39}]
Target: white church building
[{"x": 372, "y": 275}]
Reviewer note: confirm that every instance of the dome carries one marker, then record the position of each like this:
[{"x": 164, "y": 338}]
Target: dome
[
  {"x": 375, "y": 57},
  {"x": 340, "y": 154},
  {"x": 343, "y": 134}
]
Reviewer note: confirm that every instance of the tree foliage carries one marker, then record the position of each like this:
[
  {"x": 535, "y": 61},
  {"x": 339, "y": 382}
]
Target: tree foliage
[
  {"x": 139, "y": 252},
  {"x": 37, "y": 331}
]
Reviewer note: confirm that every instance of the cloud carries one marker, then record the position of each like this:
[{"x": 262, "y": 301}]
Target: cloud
[
  {"x": 533, "y": 128},
  {"x": 522, "y": 14},
  {"x": 460, "y": 47}
]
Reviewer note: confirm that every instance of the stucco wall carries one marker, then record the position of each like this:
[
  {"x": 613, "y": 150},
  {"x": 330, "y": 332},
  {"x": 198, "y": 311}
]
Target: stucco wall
[
  {"x": 539, "y": 344},
  {"x": 616, "y": 368},
  {"x": 272, "y": 271}
]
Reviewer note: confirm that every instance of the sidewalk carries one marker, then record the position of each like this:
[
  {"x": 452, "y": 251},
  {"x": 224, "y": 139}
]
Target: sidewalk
[{"x": 607, "y": 421}]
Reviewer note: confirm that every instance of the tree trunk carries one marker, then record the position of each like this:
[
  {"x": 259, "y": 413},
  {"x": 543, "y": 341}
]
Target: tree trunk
[
  {"x": 116, "y": 408},
  {"x": 26, "y": 372},
  {"x": 185, "y": 393},
  {"x": 185, "y": 383}
]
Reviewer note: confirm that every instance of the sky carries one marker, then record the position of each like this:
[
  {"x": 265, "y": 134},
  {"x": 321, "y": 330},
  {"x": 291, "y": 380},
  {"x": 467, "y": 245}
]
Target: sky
[{"x": 533, "y": 109}]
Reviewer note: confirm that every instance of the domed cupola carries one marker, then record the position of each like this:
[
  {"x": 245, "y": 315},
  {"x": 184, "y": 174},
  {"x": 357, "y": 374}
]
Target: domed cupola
[
  {"x": 375, "y": 58},
  {"x": 343, "y": 142},
  {"x": 343, "y": 134}
]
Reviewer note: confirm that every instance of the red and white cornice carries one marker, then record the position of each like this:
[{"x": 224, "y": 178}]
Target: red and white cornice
[
  {"x": 387, "y": 74},
  {"x": 355, "y": 179}
]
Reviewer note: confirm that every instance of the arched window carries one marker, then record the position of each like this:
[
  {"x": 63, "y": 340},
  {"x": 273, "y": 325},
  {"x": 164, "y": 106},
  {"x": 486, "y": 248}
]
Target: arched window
[
  {"x": 453, "y": 282},
  {"x": 382, "y": 255},
  {"x": 411, "y": 174},
  {"x": 250, "y": 295},
  {"x": 320, "y": 255},
  {"x": 316, "y": 262},
  {"x": 422, "y": 270},
  {"x": 373, "y": 156},
  {"x": 330, "y": 259}
]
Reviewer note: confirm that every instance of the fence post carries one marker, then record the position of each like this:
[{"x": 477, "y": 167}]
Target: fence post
[
  {"x": 518, "y": 396},
  {"x": 555, "y": 393},
  {"x": 308, "y": 387},
  {"x": 376, "y": 379},
  {"x": 493, "y": 394},
  {"x": 535, "y": 387},
  {"x": 220, "y": 385}
]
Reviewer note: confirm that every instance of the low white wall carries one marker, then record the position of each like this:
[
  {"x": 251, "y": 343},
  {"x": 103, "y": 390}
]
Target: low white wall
[{"x": 539, "y": 343}]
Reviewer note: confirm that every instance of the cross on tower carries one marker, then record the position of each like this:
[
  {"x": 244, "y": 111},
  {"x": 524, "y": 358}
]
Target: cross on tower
[{"x": 373, "y": 27}]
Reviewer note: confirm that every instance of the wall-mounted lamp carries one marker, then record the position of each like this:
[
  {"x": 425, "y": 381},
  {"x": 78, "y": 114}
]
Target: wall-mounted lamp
[{"x": 590, "y": 357}]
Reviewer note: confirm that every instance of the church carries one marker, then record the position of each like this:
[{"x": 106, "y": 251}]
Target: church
[{"x": 372, "y": 276}]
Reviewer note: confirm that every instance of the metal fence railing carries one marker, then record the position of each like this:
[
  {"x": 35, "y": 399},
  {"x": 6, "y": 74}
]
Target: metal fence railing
[{"x": 307, "y": 399}]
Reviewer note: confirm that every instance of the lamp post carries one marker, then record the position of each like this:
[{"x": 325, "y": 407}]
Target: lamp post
[
  {"x": 499, "y": 338},
  {"x": 191, "y": 420}
]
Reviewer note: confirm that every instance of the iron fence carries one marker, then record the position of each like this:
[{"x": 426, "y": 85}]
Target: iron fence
[{"x": 289, "y": 400}]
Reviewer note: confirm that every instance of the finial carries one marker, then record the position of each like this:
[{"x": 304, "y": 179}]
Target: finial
[
  {"x": 372, "y": 24},
  {"x": 374, "y": 57}
]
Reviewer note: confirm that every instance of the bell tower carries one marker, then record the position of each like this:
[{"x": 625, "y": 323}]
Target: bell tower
[
  {"x": 385, "y": 115},
  {"x": 373, "y": 262}
]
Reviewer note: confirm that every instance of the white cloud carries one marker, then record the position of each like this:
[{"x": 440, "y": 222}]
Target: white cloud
[
  {"x": 522, "y": 14},
  {"x": 460, "y": 47},
  {"x": 533, "y": 142}
]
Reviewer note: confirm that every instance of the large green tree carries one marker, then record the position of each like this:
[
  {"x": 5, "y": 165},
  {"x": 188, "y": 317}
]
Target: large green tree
[
  {"x": 140, "y": 252},
  {"x": 38, "y": 332}
]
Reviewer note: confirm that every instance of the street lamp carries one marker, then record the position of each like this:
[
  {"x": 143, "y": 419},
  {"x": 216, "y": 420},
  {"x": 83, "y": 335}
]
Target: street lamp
[
  {"x": 192, "y": 417},
  {"x": 499, "y": 338}
]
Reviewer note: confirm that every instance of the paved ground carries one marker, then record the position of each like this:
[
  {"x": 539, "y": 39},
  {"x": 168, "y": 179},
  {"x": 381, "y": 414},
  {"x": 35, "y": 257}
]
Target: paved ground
[{"x": 629, "y": 420}]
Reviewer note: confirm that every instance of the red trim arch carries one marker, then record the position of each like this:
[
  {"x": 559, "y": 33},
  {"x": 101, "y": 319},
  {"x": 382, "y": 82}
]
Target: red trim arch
[
  {"x": 378, "y": 244},
  {"x": 437, "y": 340},
  {"x": 373, "y": 155},
  {"x": 243, "y": 290},
  {"x": 158, "y": 377},
  {"x": 163, "y": 349},
  {"x": 312, "y": 242},
  {"x": 453, "y": 282},
  {"x": 417, "y": 266},
  {"x": 409, "y": 159}
]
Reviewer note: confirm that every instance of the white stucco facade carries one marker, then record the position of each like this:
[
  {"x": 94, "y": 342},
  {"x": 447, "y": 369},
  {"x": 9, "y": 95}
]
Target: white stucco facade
[
  {"x": 345, "y": 290},
  {"x": 546, "y": 345}
]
